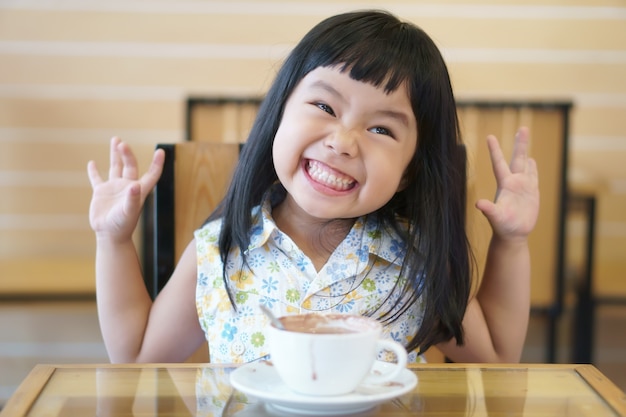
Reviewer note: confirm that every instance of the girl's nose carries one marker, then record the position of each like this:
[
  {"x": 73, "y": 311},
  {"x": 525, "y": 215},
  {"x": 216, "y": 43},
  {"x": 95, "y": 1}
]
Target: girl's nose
[{"x": 343, "y": 142}]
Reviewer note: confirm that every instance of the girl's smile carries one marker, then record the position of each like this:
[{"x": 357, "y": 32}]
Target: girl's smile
[{"x": 326, "y": 179}]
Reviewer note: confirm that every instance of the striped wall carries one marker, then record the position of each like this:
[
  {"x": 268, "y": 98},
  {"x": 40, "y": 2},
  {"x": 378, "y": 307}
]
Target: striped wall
[{"x": 74, "y": 73}]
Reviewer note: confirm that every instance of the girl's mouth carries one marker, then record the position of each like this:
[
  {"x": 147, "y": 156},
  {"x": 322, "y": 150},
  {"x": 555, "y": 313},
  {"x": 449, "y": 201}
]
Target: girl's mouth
[{"x": 329, "y": 177}]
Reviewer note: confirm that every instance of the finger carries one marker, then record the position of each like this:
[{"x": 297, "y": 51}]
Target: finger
[
  {"x": 499, "y": 164},
  {"x": 150, "y": 178},
  {"x": 532, "y": 168},
  {"x": 488, "y": 208},
  {"x": 132, "y": 203},
  {"x": 520, "y": 151},
  {"x": 130, "y": 170},
  {"x": 94, "y": 176},
  {"x": 115, "y": 163},
  {"x": 532, "y": 172}
]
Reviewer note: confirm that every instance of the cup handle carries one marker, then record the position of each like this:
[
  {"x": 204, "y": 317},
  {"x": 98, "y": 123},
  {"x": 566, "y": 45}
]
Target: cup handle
[{"x": 399, "y": 366}]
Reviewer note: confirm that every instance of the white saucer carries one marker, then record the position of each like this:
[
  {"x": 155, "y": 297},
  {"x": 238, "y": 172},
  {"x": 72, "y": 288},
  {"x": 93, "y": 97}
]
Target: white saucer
[{"x": 260, "y": 380}]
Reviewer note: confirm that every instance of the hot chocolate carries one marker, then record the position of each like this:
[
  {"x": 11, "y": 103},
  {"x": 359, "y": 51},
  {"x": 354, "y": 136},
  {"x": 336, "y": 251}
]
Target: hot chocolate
[{"x": 327, "y": 324}]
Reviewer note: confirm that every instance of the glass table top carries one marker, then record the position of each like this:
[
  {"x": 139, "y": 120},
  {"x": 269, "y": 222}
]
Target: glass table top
[{"x": 171, "y": 390}]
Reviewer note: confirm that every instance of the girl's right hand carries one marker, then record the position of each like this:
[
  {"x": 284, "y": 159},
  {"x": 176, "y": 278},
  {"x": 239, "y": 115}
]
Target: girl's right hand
[{"x": 117, "y": 202}]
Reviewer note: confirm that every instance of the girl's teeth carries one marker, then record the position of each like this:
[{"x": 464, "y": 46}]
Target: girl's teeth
[{"x": 317, "y": 172}]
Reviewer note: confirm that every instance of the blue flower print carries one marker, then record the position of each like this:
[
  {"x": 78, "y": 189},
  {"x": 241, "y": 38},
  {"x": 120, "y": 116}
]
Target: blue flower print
[
  {"x": 302, "y": 263},
  {"x": 336, "y": 290},
  {"x": 245, "y": 311},
  {"x": 396, "y": 336},
  {"x": 397, "y": 247},
  {"x": 203, "y": 279},
  {"x": 268, "y": 302},
  {"x": 357, "y": 235},
  {"x": 285, "y": 263},
  {"x": 353, "y": 238},
  {"x": 363, "y": 253},
  {"x": 244, "y": 338},
  {"x": 337, "y": 271},
  {"x": 341, "y": 288},
  {"x": 345, "y": 307},
  {"x": 270, "y": 284},
  {"x": 255, "y": 231},
  {"x": 383, "y": 277},
  {"x": 323, "y": 303},
  {"x": 256, "y": 260},
  {"x": 279, "y": 238},
  {"x": 205, "y": 402},
  {"x": 404, "y": 328},
  {"x": 229, "y": 332},
  {"x": 276, "y": 253}
]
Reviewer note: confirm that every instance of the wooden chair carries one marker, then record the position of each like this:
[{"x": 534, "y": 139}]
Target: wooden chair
[
  {"x": 548, "y": 123},
  {"x": 194, "y": 180}
]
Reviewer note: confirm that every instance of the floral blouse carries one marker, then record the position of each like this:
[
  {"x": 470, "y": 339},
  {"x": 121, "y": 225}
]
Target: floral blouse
[{"x": 359, "y": 278}]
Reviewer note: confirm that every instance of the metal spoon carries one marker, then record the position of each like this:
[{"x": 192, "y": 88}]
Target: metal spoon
[{"x": 277, "y": 323}]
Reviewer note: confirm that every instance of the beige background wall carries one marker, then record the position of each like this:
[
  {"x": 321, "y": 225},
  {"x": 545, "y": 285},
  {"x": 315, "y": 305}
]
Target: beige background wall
[{"x": 74, "y": 73}]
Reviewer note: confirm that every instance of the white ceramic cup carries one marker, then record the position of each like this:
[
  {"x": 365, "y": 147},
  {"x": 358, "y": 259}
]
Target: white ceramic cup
[{"x": 330, "y": 354}]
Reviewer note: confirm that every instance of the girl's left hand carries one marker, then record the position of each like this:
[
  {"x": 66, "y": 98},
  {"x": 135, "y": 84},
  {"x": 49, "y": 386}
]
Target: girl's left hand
[{"x": 514, "y": 211}]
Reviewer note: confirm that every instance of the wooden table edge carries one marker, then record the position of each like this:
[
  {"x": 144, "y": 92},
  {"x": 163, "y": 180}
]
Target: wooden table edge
[
  {"x": 605, "y": 388},
  {"x": 27, "y": 392}
]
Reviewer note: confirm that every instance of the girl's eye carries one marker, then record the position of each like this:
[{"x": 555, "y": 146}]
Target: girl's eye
[
  {"x": 326, "y": 108},
  {"x": 381, "y": 131}
]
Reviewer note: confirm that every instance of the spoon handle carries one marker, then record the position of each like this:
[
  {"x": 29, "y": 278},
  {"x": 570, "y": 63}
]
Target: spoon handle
[{"x": 277, "y": 323}]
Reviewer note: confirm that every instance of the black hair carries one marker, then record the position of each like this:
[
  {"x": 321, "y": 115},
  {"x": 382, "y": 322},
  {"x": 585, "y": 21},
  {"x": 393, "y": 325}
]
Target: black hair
[{"x": 376, "y": 47}]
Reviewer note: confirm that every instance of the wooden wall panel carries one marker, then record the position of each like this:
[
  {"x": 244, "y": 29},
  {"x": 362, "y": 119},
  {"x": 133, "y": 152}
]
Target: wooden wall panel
[
  {"x": 523, "y": 33},
  {"x": 601, "y": 122},
  {"x": 48, "y": 236},
  {"x": 136, "y": 77},
  {"x": 45, "y": 276},
  {"x": 273, "y": 28},
  {"x": 552, "y": 79},
  {"x": 155, "y": 26},
  {"x": 121, "y": 114},
  {"x": 59, "y": 200}
]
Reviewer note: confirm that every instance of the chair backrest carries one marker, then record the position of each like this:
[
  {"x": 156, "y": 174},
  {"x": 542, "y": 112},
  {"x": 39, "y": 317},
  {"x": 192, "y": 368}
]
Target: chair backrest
[
  {"x": 548, "y": 124},
  {"x": 194, "y": 180}
]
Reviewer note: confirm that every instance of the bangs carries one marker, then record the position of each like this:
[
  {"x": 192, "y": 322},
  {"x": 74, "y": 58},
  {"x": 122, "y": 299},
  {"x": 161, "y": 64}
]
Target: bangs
[{"x": 384, "y": 55}]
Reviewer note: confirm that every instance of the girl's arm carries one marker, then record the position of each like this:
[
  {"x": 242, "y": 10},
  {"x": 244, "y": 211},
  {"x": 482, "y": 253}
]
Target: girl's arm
[
  {"x": 496, "y": 320},
  {"x": 133, "y": 328}
]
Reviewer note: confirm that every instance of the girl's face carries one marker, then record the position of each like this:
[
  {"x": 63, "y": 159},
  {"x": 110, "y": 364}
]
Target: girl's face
[{"x": 343, "y": 146}]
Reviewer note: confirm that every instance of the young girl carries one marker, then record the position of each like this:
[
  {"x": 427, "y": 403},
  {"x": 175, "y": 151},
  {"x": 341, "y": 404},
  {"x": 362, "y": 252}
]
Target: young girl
[{"x": 349, "y": 197}]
